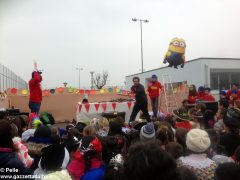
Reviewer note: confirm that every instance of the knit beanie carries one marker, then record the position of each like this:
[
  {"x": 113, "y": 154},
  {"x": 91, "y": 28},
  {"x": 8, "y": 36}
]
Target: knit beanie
[
  {"x": 198, "y": 140},
  {"x": 147, "y": 132}
]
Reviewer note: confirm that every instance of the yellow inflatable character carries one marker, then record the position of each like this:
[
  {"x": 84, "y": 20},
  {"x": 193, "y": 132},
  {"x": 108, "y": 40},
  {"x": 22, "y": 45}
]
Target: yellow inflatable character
[{"x": 176, "y": 53}]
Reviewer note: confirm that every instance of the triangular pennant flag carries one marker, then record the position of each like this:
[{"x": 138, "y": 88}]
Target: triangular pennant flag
[
  {"x": 80, "y": 108},
  {"x": 114, "y": 104},
  {"x": 104, "y": 106},
  {"x": 87, "y": 106},
  {"x": 129, "y": 105},
  {"x": 97, "y": 106}
]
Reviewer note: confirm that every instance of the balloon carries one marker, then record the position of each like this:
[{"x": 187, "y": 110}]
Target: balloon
[
  {"x": 52, "y": 91},
  {"x": 60, "y": 90},
  {"x": 46, "y": 92},
  {"x": 70, "y": 90},
  {"x": 176, "y": 53},
  {"x": 24, "y": 92},
  {"x": 13, "y": 90}
]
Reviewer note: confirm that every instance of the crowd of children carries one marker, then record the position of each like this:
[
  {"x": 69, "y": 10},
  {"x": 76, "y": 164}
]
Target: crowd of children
[{"x": 192, "y": 144}]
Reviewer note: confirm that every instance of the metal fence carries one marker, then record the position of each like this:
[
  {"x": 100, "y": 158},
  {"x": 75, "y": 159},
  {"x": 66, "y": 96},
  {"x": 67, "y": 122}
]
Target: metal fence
[{"x": 9, "y": 79}]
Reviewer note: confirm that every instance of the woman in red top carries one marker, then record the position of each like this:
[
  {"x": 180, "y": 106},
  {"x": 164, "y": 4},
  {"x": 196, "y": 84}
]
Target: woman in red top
[{"x": 192, "y": 95}]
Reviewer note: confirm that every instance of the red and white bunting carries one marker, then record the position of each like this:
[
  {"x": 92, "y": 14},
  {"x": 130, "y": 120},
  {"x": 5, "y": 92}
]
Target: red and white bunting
[
  {"x": 129, "y": 105},
  {"x": 104, "y": 106},
  {"x": 97, "y": 106},
  {"x": 79, "y": 107},
  {"x": 87, "y": 107},
  {"x": 114, "y": 104}
]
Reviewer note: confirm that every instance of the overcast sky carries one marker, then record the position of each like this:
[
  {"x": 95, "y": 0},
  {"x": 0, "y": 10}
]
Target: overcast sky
[{"x": 99, "y": 35}]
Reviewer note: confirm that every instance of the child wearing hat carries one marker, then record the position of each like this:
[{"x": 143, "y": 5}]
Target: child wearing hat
[{"x": 198, "y": 142}]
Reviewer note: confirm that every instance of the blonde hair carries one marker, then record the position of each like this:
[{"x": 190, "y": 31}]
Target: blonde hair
[
  {"x": 103, "y": 123},
  {"x": 89, "y": 131}
]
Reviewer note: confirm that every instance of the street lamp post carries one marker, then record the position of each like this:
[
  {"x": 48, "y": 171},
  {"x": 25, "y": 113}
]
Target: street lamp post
[
  {"x": 92, "y": 72},
  {"x": 145, "y": 21},
  {"x": 79, "y": 72}
]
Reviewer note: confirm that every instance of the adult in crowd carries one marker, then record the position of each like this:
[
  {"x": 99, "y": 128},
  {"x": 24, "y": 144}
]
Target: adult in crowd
[
  {"x": 198, "y": 142},
  {"x": 154, "y": 87},
  {"x": 35, "y": 97},
  {"x": 208, "y": 96},
  {"x": 201, "y": 93},
  {"x": 233, "y": 94},
  {"x": 231, "y": 139},
  {"x": 192, "y": 94},
  {"x": 141, "y": 100}
]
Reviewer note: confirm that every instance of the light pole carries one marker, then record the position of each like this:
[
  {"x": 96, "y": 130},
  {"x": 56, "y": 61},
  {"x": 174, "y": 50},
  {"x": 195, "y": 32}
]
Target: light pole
[
  {"x": 79, "y": 71},
  {"x": 91, "y": 72},
  {"x": 145, "y": 21}
]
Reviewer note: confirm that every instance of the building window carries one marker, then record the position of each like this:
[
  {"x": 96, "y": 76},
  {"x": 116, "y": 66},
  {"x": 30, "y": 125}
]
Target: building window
[{"x": 223, "y": 79}]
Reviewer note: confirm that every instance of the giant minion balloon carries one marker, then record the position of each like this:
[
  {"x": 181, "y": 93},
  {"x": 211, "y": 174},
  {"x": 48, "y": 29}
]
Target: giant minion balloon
[{"x": 176, "y": 53}]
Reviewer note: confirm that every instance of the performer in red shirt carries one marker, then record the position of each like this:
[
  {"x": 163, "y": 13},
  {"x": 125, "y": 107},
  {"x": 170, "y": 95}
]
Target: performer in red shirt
[
  {"x": 233, "y": 94},
  {"x": 192, "y": 95},
  {"x": 35, "y": 92},
  {"x": 208, "y": 97},
  {"x": 153, "y": 91},
  {"x": 201, "y": 93}
]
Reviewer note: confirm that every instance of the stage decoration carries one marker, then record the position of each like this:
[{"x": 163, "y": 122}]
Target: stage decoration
[
  {"x": 70, "y": 90},
  {"x": 24, "y": 91},
  {"x": 114, "y": 104},
  {"x": 87, "y": 106},
  {"x": 176, "y": 53},
  {"x": 104, "y": 106},
  {"x": 46, "y": 93},
  {"x": 13, "y": 90},
  {"x": 60, "y": 90},
  {"x": 52, "y": 91}
]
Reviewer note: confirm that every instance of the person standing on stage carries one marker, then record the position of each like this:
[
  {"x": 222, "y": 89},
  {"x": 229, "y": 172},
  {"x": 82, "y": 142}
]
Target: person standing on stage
[
  {"x": 35, "y": 92},
  {"x": 141, "y": 100},
  {"x": 153, "y": 91}
]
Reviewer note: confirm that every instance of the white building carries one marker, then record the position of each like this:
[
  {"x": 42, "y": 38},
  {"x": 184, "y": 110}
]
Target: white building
[{"x": 216, "y": 73}]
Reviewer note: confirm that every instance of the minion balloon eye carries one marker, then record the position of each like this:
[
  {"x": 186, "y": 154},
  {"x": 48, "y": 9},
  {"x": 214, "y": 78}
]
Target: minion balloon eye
[
  {"x": 175, "y": 43},
  {"x": 182, "y": 44},
  {"x": 176, "y": 53}
]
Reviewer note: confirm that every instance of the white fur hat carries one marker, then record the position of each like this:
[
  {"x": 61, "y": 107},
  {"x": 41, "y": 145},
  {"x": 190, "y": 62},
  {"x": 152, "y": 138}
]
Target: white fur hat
[{"x": 198, "y": 140}]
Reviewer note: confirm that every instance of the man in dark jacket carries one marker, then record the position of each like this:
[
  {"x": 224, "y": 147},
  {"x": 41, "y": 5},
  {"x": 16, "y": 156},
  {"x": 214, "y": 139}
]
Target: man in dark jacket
[
  {"x": 35, "y": 92},
  {"x": 141, "y": 100}
]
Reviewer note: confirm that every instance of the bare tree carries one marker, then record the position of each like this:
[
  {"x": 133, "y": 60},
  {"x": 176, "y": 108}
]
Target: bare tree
[{"x": 100, "y": 80}]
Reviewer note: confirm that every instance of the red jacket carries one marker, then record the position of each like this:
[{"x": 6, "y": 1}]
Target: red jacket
[
  {"x": 35, "y": 88},
  {"x": 184, "y": 124},
  {"x": 76, "y": 167},
  {"x": 153, "y": 89}
]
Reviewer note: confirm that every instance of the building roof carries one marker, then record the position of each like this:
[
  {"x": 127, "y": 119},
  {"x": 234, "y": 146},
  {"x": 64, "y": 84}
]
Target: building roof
[{"x": 190, "y": 61}]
